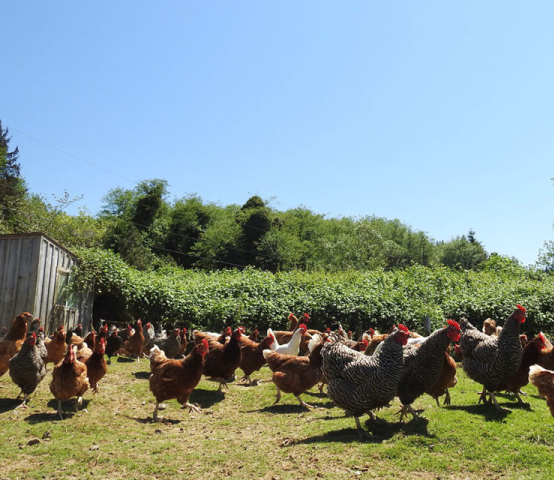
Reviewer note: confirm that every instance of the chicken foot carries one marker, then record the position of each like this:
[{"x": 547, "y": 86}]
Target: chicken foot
[
  {"x": 192, "y": 407},
  {"x": 24, "y": 404},
  {"x": 404, "y": 412},
  {"x": 303, "y": 403},
  {"x": 491, "y": 397}
]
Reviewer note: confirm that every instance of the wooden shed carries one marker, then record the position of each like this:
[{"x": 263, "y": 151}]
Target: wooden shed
[{"x": 34, "y": 273}]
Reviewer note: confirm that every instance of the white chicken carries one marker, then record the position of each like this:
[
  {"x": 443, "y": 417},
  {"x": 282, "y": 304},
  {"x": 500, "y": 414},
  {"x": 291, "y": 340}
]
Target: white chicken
[{"x": 293, "y": 346}]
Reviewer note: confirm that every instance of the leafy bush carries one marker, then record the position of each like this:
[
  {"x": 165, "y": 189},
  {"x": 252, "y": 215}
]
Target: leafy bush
[{"x": 253, "y": 298}]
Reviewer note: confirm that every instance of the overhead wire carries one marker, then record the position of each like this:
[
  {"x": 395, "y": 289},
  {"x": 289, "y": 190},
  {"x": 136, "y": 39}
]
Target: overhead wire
[{"x": 88, "y": 162}]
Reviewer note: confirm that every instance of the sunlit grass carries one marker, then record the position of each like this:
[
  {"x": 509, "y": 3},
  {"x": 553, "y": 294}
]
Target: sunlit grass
[{"x": 241, "y": 434}]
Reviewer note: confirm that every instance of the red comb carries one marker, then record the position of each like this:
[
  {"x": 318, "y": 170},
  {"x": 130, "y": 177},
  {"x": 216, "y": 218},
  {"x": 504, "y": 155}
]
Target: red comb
[
  {"x": 542, "y": 337},
  {"x": 328, "y": 329},
  {"x": 454, "y": 324},
  {"x": 303, "y": 327},
  {"x": 520, "y": 307},
  {"x": 404, "y": 328},
  {"x": 205, "y": 343},
  {"x": 306, "y": 317},
  {"x": 366, "y": 343},
  {"x": 291, "y": 316},
  {"x": 371, "y": 331}
]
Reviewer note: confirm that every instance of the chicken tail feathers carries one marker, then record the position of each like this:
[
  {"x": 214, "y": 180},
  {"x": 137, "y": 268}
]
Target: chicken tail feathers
[{"x": 314, "y": 342}]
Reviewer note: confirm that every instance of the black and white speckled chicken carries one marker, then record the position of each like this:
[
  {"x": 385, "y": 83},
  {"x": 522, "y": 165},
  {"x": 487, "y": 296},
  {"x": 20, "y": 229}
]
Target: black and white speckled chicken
[
  {"x": 172, "y": 345},
  {"x": 489, "y": 360},
  {"x": 41, "y": 347},
  {"x": 27, "y": 368},
  {"x": 359, "y": 383},
  {"x": 423, "y": 365}
]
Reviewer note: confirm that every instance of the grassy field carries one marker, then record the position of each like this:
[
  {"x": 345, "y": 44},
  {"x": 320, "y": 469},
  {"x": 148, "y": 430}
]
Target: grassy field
[{"x": 240, "y": 434}]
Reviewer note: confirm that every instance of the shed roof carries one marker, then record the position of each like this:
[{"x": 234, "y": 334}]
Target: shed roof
[{"x": 36, "y": 234}]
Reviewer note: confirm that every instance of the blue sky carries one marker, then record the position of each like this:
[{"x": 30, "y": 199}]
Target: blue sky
[{"x": 440, "y": 114}]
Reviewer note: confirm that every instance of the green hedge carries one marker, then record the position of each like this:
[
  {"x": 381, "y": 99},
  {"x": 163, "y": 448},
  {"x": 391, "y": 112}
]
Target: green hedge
[{"x": 256, "y": 299}]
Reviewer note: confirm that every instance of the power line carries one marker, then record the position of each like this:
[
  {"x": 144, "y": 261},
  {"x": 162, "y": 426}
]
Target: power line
[
  {"x": 94, "y": 165},
  {"x": 72, "y": 156}
]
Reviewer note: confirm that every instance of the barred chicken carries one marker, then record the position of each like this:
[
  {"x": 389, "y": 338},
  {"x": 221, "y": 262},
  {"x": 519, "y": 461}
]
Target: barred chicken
[
  {"x": 423, "y": 365},
  {"x": 27, "y": 368},
  {"x": 531, "y": 355},
  {"x": 489, "y": 360},
  {"x": 172, "y": 345},
  {"x": 149, "y": 334},
  {"x": 359, "y": 383},
  {"x": 41, "y": 347}
]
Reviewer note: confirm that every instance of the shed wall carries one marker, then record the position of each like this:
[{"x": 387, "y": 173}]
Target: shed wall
[
  {"x": 18, "y": 276},
  {"x": 32, "y": 268}
]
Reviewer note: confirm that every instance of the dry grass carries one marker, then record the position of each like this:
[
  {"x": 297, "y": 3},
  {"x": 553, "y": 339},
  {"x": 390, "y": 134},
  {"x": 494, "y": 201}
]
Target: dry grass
[{"x": 240, "y": 434}]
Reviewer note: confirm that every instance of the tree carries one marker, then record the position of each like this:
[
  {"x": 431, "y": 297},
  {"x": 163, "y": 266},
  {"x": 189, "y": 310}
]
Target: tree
[
  {"x": 12, "y": 185},
  {"x": 546, "y": 257},
  {"x": 188, "y": 219},
  {"x": 254, "y": 219},
  {"x": 137, "y": 222},
  {"x": 462, "y": 252}
]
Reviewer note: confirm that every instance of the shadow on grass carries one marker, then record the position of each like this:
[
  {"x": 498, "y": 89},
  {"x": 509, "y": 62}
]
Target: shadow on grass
[
  {"x": 142, "y": 375},
  {"x": 68, "y": 411},
  {"x": 126, "y": 360},
  {"x": 286, "y": 408},
  {"x": 379, "y": 431},
  {"x": 161, "y": 420},
  {"x": 206, "y": 398},
  {"x": 488, "y": 412},
  {"x": 7, "y": 404},
  {"x": 316, "y": 394}
]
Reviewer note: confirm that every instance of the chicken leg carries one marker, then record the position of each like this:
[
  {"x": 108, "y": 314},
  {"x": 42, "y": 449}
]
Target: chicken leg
[
  {"x": 303, "y": 403},
  {"x": 361, "y": 432},
  {"x": 278, "y": 397}
]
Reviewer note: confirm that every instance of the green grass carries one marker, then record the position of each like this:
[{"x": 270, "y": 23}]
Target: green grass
[{"x": 240, "y": 435}]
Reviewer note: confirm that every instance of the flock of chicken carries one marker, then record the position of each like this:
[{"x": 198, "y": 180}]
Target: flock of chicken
[{"x": 362, "y": 376}]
